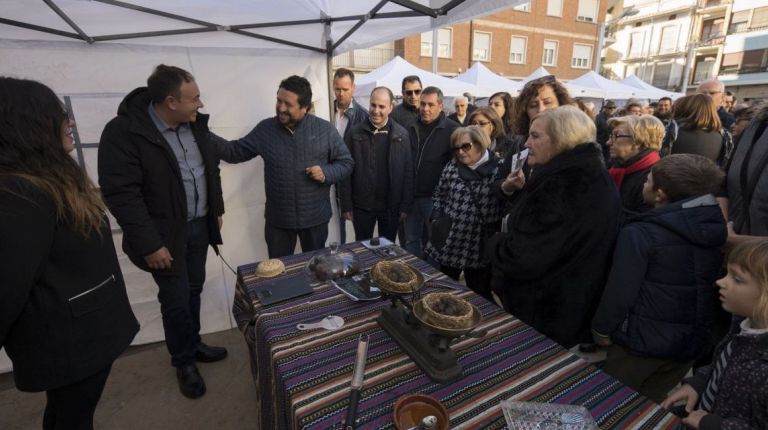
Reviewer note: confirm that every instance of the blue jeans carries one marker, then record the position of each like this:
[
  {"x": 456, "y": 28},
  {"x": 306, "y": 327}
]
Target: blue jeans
[
  {"x": 417, "y": 225},
  {"x": 179, "y": 296}
]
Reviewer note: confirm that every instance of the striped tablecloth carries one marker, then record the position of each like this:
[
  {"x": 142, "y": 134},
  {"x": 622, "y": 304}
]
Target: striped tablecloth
[{"x": 303, "y": 377}]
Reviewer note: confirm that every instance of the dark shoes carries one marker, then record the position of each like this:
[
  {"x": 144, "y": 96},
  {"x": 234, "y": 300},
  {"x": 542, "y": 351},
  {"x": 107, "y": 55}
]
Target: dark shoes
[
  {"x": 190, "y": 381},
  {"x": 209, "y": 354}
]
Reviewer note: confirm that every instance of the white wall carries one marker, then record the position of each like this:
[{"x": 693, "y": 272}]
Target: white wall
[{"x": 238, "y": 88}]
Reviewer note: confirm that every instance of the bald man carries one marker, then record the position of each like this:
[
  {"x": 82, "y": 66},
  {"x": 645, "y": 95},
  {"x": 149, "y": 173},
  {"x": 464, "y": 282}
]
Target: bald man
[{"x": 716, "y": 90}]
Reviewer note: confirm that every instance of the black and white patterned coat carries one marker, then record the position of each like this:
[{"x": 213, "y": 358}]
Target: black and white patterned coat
[{"x": 454, "y": 195}]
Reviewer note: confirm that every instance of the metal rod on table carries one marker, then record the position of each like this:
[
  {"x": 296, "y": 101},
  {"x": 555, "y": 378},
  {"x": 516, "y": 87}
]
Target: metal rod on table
[{"x": 356, "y": 386}]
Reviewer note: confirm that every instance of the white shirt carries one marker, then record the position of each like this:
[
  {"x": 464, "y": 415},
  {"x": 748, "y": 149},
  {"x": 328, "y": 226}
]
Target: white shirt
[{"x": 341, "y": 122}]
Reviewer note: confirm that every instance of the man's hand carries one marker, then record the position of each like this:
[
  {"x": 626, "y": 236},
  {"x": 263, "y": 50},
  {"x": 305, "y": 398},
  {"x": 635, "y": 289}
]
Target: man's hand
[
  {"x": 159, "y": 260},
  {"x": 348, "y": 216},
  {"x": 316, "y": 173},
  {"x": 693, "y": 420},
  {"x": 221, "y": 222},
  {"x": 685, "y": 393}
]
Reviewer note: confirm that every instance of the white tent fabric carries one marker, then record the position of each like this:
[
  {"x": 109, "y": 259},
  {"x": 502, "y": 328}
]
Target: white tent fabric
[
  {"x": 238, "y": 75},
  {"x": 487, "y": 82},
  {"x": 540, "y": 72},
  {"x": 391, "y": 75},
  {"x": 606, "y": 87},
  {"x": 649, "y": 91}
]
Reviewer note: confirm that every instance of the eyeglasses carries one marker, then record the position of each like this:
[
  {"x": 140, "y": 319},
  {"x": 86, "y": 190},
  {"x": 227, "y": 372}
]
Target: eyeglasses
[
  {"x": 463, "y": 147},
  {"x": 614, "y": 136},
  {"x": 480, "y": 123},
  {"x": 411, "y": 93}
]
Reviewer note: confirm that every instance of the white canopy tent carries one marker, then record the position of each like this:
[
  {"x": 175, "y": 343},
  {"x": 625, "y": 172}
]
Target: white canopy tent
[
  {"x": 649, "y": 91},
  {"x": 487, "y": 82},
  {"x": 607, "y": 88},
  {"x": 93, "y": 52},
  {"x": 540, "y": 72},
  {"x": 391, "y": 75}
]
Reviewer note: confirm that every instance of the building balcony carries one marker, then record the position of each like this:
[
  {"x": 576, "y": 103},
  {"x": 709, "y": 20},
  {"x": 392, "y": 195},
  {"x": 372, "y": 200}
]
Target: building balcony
[
  {"x": 713, "y": 4},
  {"x": 711, "y": 41},
  {"x": 742, "y": 27}
]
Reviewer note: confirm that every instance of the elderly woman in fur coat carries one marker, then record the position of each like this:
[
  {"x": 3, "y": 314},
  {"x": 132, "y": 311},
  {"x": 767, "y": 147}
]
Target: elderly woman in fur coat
[{"x": 550, "y": 266}]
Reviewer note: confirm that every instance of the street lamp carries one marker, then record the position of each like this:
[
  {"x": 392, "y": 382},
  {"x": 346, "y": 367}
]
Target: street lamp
[{"x": 630, "y": 11}]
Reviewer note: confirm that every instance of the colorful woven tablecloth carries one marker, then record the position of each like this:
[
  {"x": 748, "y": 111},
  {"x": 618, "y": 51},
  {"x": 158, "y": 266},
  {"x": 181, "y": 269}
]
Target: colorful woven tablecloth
[{"x": 303, "y": 377}]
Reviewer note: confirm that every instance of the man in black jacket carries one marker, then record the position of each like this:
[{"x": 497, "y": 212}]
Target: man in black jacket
[
  {"x": 407, "y": 112},
  {"x": 431, "y": 146},
  {"x": 380, "y": 189},
  {"x": 159, "y": 175}
]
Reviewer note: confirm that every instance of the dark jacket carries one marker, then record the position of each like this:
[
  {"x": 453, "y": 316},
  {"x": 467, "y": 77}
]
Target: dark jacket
[
  {"x": 405, "y": 114},
  {"x": 660, "y": 294},
  {"x": 64, "y": 312},
  {"x": 741, "y": 402},
  {"x": 141, "y": 182},
  {"x": 453, "y": 117},
  {"x": 631, "y": 191},
  {"x": 747, "y": 179},
  {"x": 726, "y": 118},
  {"x": 551, "y": 266},
  {"x": 466, "y": 196},
  {"x": 431, "y": 157},
  {"x": 356, "y": 114},
  {"x": 679, "y": 138},
  {"x": 358, "y": 187},
  {"x": 294, "y": 200}
]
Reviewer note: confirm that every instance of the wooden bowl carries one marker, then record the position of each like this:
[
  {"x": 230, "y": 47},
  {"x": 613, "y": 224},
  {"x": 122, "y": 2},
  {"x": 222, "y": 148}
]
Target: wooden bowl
[{"x": 410, "y": 409}]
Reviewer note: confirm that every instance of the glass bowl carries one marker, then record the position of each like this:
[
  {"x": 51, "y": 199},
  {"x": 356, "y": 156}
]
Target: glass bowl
[{"x": 332, "y": 263}]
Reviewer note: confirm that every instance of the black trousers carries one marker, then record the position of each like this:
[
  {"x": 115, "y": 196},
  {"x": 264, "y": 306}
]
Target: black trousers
[
  {"x": 179, "y": 296},
  {"x": 364, "y": 221},
  {"x": 72, "y": 406},
  {"x": 282, "y": 242},
  {"x": 479, "y": 280}
]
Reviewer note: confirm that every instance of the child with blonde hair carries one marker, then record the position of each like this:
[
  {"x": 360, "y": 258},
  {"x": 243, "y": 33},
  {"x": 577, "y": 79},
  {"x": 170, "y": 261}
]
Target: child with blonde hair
[{"x": 733, "y": 391}]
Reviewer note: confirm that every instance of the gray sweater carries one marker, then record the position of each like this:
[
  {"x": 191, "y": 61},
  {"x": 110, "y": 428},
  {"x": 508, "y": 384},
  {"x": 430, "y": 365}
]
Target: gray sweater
[{"x": 294, "y": 200}]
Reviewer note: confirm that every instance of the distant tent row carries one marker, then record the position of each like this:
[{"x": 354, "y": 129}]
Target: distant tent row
[{"x": 482, "y": 82}]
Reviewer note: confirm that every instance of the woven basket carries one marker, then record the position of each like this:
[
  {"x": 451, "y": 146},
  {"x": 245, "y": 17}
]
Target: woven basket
[
  {"x": 396, "y": 277},
  {"x": 445, "y": 310}
]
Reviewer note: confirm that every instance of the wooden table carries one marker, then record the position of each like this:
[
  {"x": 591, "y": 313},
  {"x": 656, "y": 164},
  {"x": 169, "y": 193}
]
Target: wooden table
[{"x": 302, "y": 377}]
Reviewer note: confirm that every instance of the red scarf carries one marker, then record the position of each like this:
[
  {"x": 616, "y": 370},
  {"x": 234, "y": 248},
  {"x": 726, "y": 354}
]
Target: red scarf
[{"x": 618, "y": 173}]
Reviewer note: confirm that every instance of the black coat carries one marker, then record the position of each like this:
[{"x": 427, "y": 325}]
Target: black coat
[
  {"x": 453, "y": 117},
  {"x": 359, "y": 186},
  {"x": 551, "y": 266},
  {"x": 405, "y": 114},
  {"x": 141, "y": 182},
  {"x": 660, "y": 295},
  {"x": 431, "y": 157},
  {"x": 64, "y": 312}
]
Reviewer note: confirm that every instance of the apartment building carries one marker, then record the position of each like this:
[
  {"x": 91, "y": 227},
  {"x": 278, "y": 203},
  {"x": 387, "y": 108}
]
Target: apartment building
[
  {"x": 557, "y": 34},
  {"x": 744, "y": 64}
]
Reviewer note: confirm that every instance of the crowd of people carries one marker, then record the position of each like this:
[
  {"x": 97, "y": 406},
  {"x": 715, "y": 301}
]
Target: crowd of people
[{"x": 606, "y": 229}]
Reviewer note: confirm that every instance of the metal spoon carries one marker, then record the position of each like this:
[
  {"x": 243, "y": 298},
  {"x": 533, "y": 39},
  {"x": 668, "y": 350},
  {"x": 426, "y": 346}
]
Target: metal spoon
[
  {"x": 428, "y": 422},
  {"x": 331, "y": 322}
]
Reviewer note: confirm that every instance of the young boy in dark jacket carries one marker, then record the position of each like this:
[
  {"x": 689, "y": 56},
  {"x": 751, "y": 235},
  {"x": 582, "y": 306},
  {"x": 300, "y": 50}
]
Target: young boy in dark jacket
[{"x": 657, "y": 306}]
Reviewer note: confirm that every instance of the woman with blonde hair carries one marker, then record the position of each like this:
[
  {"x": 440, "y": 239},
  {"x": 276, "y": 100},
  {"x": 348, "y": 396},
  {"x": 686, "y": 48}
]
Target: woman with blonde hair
[
  {"x": 551, "y": 264},
  {"x": 465, "y": 210},
  {"x": 64, "y": 312},
  {"x": 695, "y": 128},
  {"x": 634, "y": 143}
]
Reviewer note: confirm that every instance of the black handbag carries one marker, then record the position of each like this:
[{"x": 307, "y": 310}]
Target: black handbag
[{"x": 440, "y": 227}]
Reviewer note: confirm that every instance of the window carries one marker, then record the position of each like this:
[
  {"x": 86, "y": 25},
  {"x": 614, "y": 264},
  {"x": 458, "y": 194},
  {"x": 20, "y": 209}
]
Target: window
[
  {"x": 587, "y": 11},
  {"x": 636, "y": 44},
  {"x": 525, "y": 7},
  {"x": 517, "y": 50},
  {"x": 582, "y": 56},
  {"x": 481, "y": 46},
  {"x": 704, "y": 70},
  {"x": 754, "y": 61},
  {"x": 443, "y": 43},
  {"x": 731, "y": 62},
  {"x": 759, "y": 19},
  {"x": 555, "y": 7},
  {"x": 668, "y": 42},
  {"x": 739, "y": 22},
  {"x": 712, "y": 29},
  {"x": 661, "y": 75},
  {"x": 549, "y": 58}
]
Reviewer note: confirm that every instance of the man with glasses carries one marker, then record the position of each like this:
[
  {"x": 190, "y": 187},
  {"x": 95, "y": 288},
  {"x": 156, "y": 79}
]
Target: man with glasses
[
  {"x": 406, "y": 112},
  {"x": 716, "y": 90},
  {"x": 159, "y": 175},
  {"x": 430, "y": 137},
  {"x": 460, "y": 114}
]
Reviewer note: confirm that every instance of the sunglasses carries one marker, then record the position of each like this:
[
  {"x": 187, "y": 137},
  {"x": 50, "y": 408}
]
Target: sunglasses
[
  {"x": 464, "y": 147},
  {"x": 412, "y": 92}
]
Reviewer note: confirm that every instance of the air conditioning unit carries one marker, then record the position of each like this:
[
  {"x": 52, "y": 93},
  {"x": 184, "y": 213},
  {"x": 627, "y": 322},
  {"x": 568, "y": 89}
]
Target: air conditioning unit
[{"x": 585, "y": 18}]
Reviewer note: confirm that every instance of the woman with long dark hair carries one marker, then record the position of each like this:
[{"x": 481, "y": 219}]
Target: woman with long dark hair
[
  {"x": 696, "y": 129},
  {"x": 64, "y": 312},
  {"x": 503, "y": 104}
]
